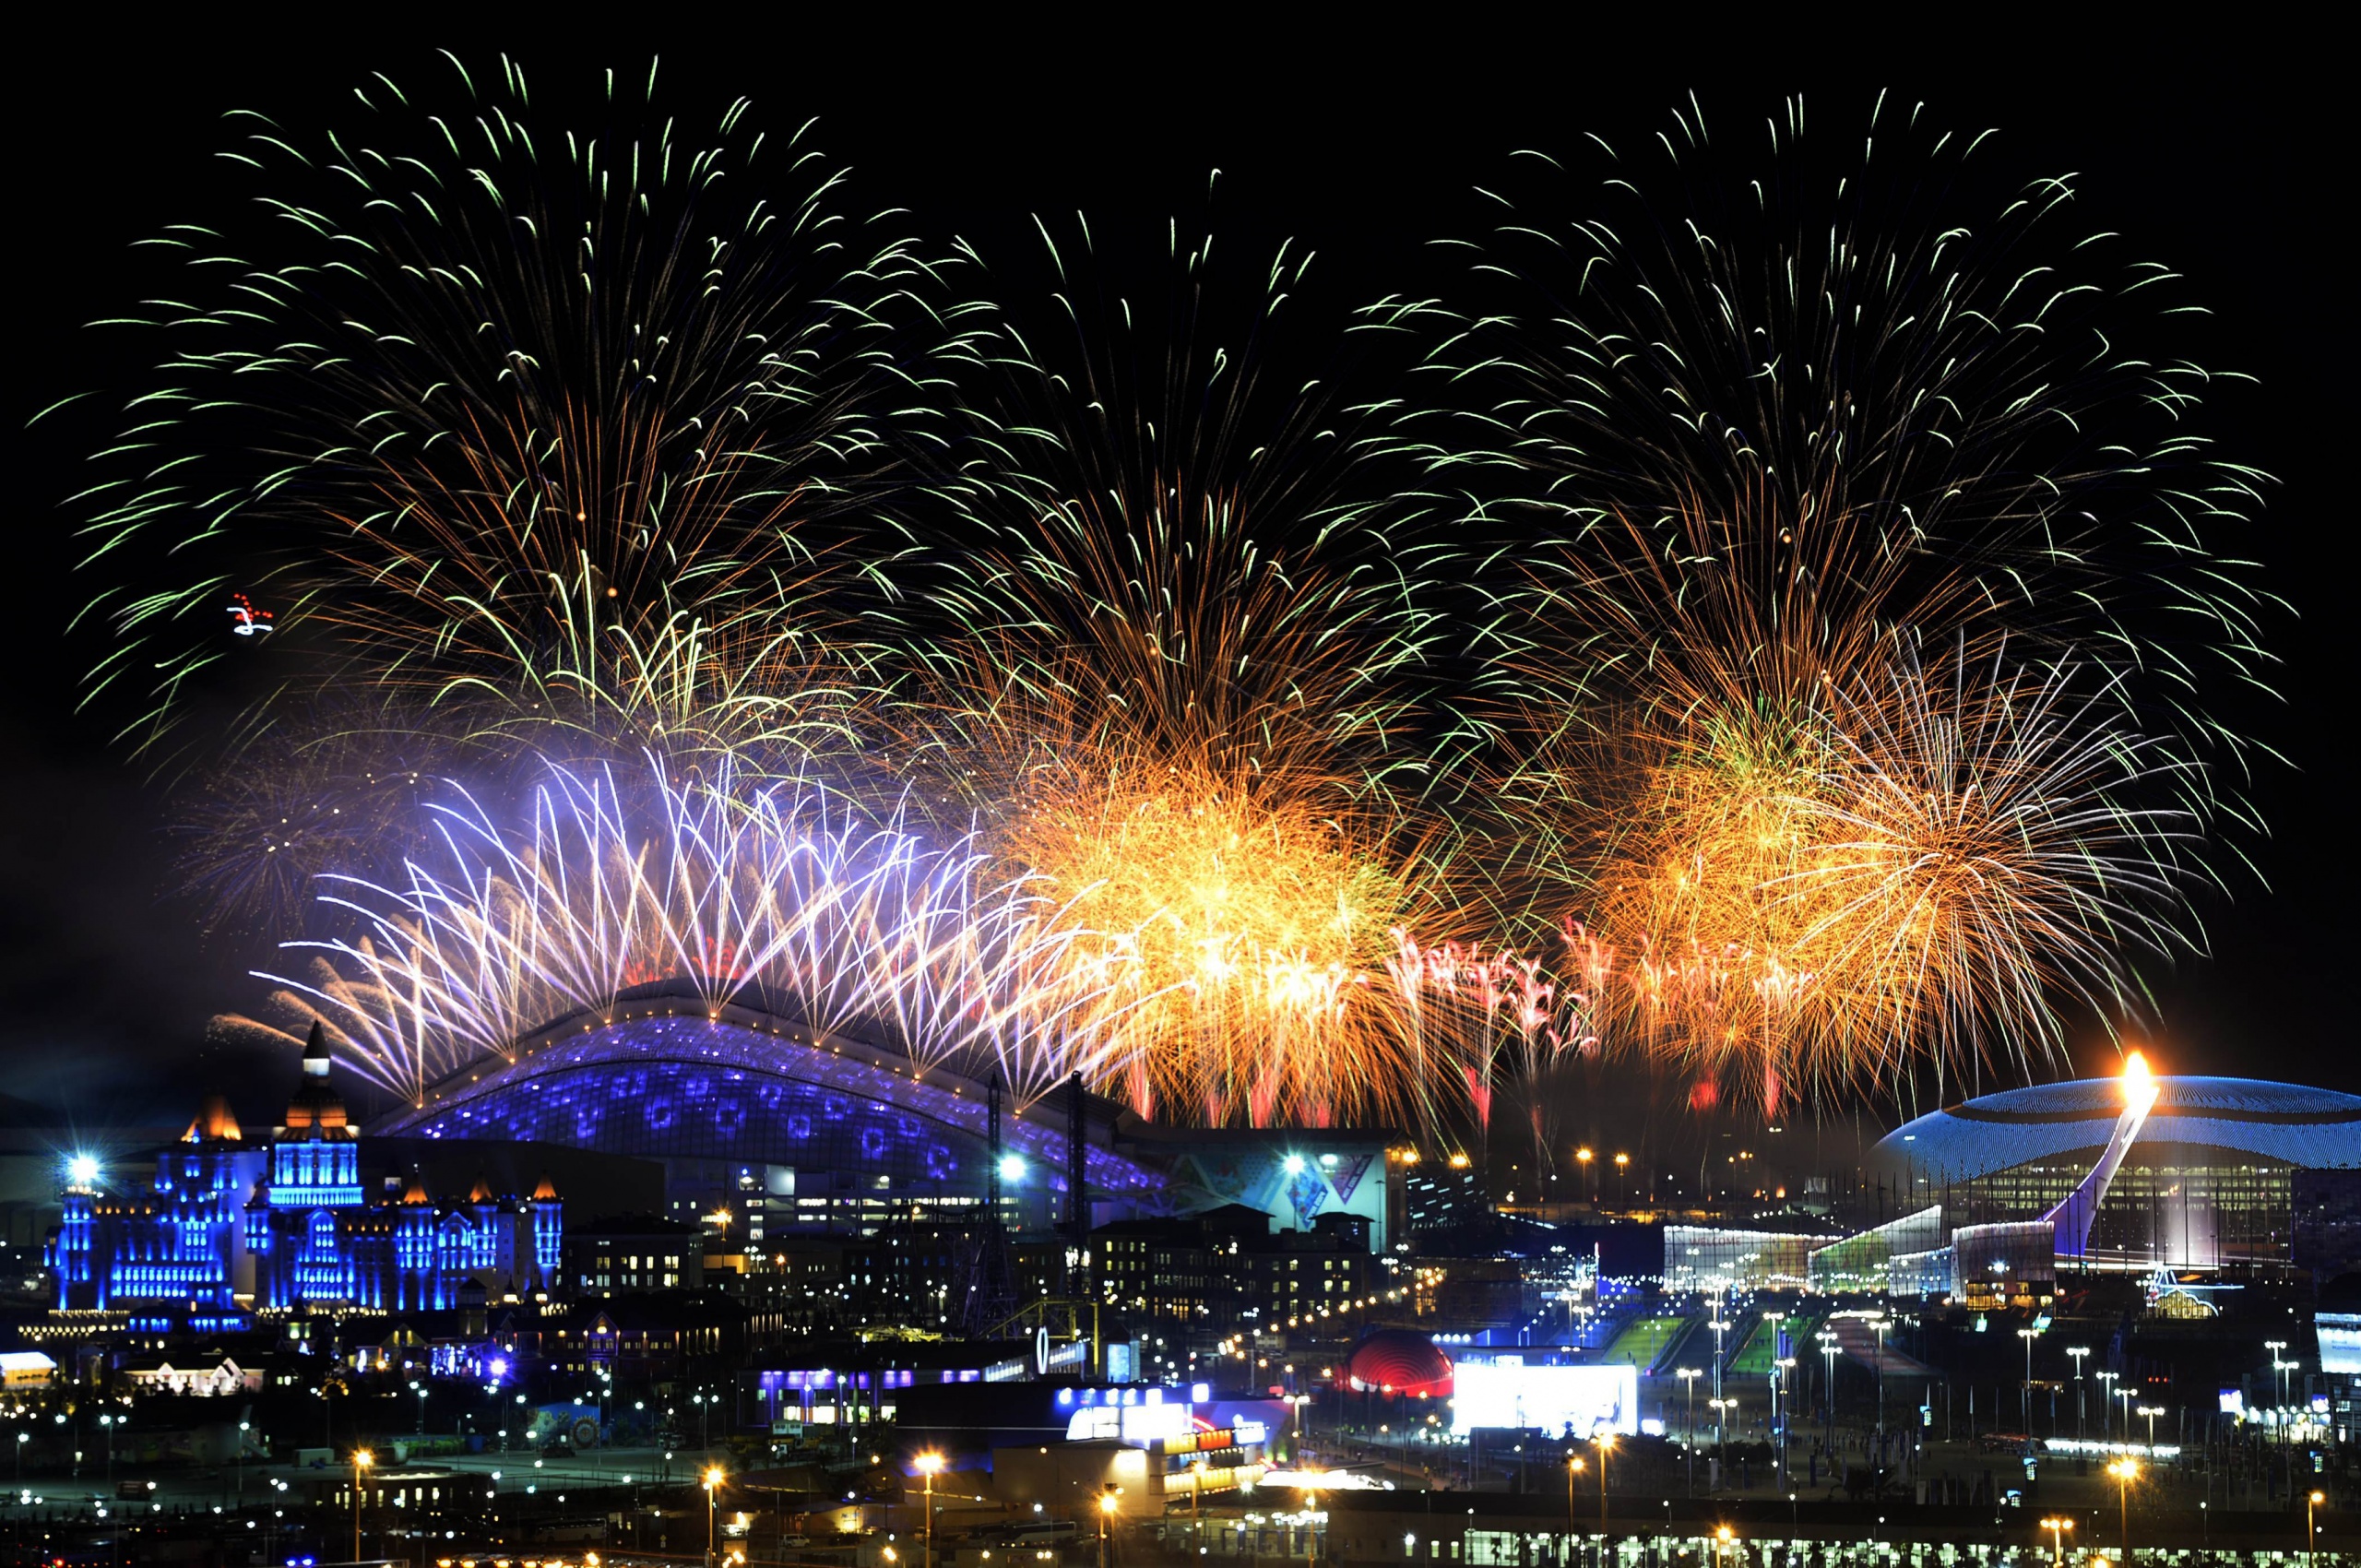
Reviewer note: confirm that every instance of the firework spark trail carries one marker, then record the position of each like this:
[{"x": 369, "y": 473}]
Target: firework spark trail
[
  {"x": 545, "y": 423},
  {"x": 1181, "y": 685},
  {"x": 777, "y": 897},
  {"x": 1782, "y": 435}
]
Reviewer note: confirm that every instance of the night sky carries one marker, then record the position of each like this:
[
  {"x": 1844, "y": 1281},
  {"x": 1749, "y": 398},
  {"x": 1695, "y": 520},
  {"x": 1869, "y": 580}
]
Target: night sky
[{"x": 2226, "y": 160}]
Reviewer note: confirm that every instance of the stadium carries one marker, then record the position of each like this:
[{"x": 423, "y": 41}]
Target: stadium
[
  {"x": 2130, "y": 1174},
  {"x": 794, "y": 1129}
]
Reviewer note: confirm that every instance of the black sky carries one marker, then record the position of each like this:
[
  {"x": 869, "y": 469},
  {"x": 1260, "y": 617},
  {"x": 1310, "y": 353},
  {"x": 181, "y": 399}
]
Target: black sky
[{"x": 2229, "y": 158}]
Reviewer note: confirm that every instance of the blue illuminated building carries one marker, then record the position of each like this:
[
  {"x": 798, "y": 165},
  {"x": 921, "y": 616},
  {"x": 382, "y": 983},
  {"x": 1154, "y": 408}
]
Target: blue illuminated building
[
  {"x": 786, "y": 1128},
  {"x": 233, "y": 1228}
]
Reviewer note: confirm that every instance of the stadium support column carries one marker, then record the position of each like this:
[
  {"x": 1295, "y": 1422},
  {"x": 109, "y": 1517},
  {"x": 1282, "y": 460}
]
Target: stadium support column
[{"x": 991, "y": 1163}]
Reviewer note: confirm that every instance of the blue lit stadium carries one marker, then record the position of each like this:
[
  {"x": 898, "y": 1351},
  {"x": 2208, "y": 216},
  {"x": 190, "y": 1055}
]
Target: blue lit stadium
[
  {"x": 745, "y": 1106},
  {"x": 2139, "y": 1173},
  {"x": 1998, "y": 1196},
  {"x": 2283, "y": 1124}
]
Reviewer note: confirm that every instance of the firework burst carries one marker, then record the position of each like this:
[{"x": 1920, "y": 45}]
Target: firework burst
[
  {"x": 1780, "y": 435},
  {"x": 544, "y": 423},
  {"x": 781, "y": 897},
  {"x": 1181, "y": 688}
]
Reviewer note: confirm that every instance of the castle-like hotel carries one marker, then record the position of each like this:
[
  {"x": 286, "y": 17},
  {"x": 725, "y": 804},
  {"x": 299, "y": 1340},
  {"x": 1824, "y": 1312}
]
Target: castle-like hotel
[{"x": 236, "y": 1229}]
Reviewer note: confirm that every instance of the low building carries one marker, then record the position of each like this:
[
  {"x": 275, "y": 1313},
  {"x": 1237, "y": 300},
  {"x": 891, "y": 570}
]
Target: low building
[{"x": 625, "y": 1253}]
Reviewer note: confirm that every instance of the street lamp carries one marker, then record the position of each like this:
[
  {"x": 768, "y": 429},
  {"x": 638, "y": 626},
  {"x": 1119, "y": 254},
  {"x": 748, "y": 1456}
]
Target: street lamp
[
  {"x": 712, "y": 1492},
  {"x": 1827, "y": 1337},
  {"x": 1722, "y": 1538},
  {"x": 1605, "y": 1441},
  {"x": 2106, "y": 1407},
  {"x": 2125, "y": 1471},
  {"x": 2311, "y": 1510},
  {"x": 2152, "y": 1412},
  {"x": 1688, "y": 1376},
  {"x": 1108, "y": 1503},
  {"x": 927, "y": 1465},
  {"x": 1879, "y": 1323},
  {"x": 1623, "y": 1179},
  {"x": 2057, "y": 1526},
  {"x": 1573, "y": 1469},
  {"x": 2028, "y": 1336},
  {"x": 361, "y": 1461},
  {"x": 2078, "y": 1352},
  {"x": 1583, "y": 1157}
]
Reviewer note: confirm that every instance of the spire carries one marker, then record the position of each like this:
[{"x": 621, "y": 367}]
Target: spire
[
  {"x": 315, "y": 1053},
  {"x": 415, "y": 1194},
  {"x": 482, "y": 1192},
  {"x": 545, "y": 1190},
  {"x": 317, "y": 1109}
]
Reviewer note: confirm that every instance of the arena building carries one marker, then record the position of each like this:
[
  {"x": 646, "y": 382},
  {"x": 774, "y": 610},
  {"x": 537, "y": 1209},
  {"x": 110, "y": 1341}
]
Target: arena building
[
  {"x": 778, "y": 1129},
  {"x": 2136, "y": 1174}
]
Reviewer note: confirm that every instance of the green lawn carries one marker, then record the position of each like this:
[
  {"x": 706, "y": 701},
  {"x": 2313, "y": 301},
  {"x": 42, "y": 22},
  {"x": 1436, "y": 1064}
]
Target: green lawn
[{"x": 1640, "y": 1344}]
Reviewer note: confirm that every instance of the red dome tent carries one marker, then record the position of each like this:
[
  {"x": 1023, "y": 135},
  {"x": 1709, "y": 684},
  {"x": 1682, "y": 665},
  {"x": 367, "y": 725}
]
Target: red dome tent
[{"x": 1398, "y": 1360}]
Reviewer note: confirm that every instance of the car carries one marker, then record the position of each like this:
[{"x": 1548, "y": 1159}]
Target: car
[{"x": 558, "y": 1449}]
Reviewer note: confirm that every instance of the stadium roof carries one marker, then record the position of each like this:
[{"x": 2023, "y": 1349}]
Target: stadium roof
[
  {"x": 2313, "y": 1129},
  {"x": 726, "y": 1083}
]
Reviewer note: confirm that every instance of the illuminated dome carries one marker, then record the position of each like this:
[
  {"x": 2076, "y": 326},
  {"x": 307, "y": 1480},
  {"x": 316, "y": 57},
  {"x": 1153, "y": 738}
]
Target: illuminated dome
[
  {"x": 2310, "y": 1129},
  {"x": 665, "y": 1078},
  {"x": 1399, "y": 1360}
]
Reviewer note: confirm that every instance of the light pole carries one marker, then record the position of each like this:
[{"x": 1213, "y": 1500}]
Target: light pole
[
  {"x": 2057, "y": 1526},
  {"x": 712, "y": 1493},
  {"x": 2311, "y": 1510},
  {"x": 1879, "y": 1322},
  {"x": 2028, "y": 1336},
  {"x": 1622, "y": 1183},
  {"x": 1827, "y": 1337},
  {"x": 2275, "y": 1346},
  {"x": 1605, "y": 1441},
  {"x": 2125, "y": 1471},
  {"x": 1780, "y": 1371},
  {"x": 1583, "y": 1157},
  {"x": 1688, "y": 1376},
  {"x": 927, "y": 1465},
  {"x": 2106, "y": 1408},
  {"x": 1774, "y": 1319},
  {"x": 2078, "y": 1352},
  {"x": 2152, "y": 1412},
  {"x": 361, "y": 1461},
  {"x": 1107, "y": 1504}
]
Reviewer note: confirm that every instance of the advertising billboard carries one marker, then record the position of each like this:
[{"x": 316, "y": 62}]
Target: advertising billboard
[{"x": 1507, "y": 1392}]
